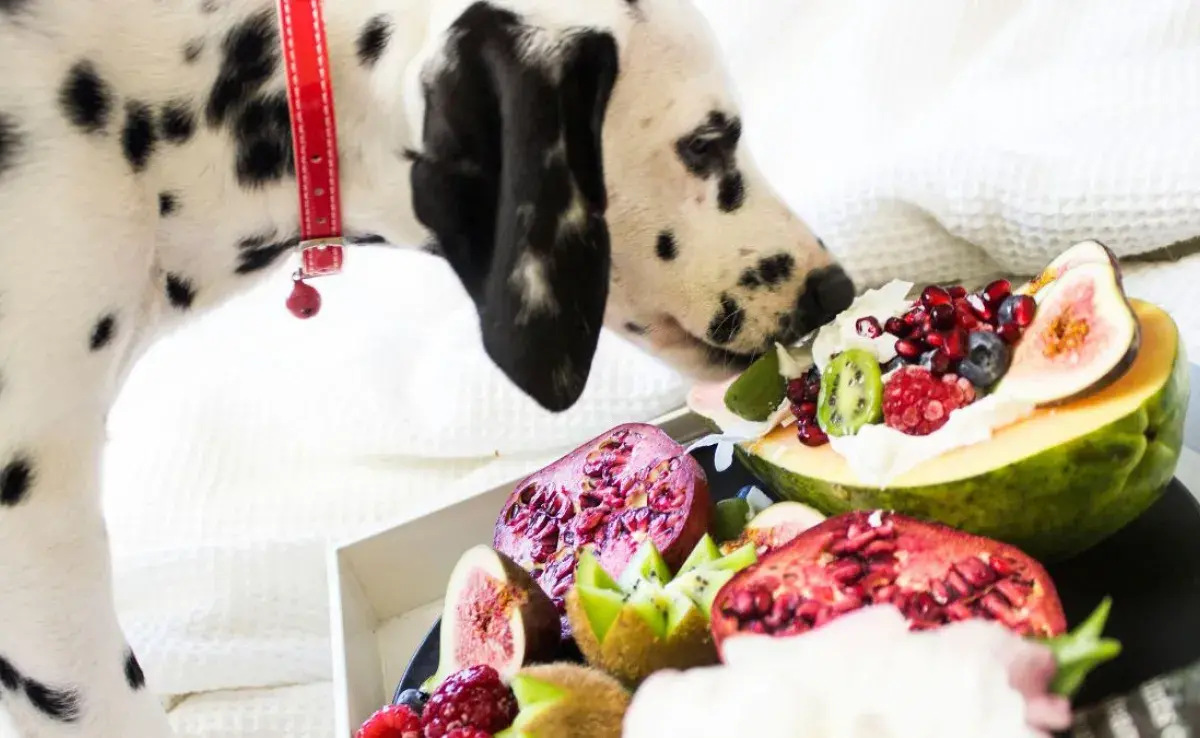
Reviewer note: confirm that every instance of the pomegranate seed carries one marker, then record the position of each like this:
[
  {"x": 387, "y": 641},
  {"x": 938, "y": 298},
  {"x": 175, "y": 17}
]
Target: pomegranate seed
[
  {"x": 965, "y": 319},
  {"x": 942, "y": 316},
  {"x": 1024, "y": 310},
  {"x": 897, "y": 327},
  {"x": 1001, "y": 566},
  {"x": 955, "y": 344},
  {"x": 995, "y": 292},
  {"x": 812, "y": 385},
  {"x": 957, "y": 291},
  {"x": 975, "y": 572},
  {"x": 868, "y": 327},
  {"x": 937, "y": 362},
  {"x": 879, "y": 548},
  {"x": 846, "y": 572},
  {"x": 980, "y": 307},
  {"x": 915, "y": 316},
  {"x": 958, "y": 611},
  {"x": 908, "y": 349},
  {"x": 955, "y": 582},
  {"x": 810, "y": 433},
  {"x": 1011, "y": 592},
  {"x": 1010, "y": 332},
  {"x": 806, "y": 410},
  {"x": 934, "y": 295}
]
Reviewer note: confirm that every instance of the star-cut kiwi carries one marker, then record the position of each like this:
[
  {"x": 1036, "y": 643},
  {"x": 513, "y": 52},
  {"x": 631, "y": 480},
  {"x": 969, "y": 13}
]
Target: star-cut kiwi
[
  {"x": 647, "y": 619},
  {"x": 566, "y": 701}
]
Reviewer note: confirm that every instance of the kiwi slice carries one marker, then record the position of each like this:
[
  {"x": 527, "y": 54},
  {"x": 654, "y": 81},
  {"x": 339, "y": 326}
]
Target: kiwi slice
[
  {"x": 646, "y": 619},
  {"x": 851, "y": 393},
  {"x": 758, "y": 391},
  {"x": 564, "y": 700}
]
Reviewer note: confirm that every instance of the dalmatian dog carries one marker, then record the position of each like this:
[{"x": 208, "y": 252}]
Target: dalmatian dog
[{"x": 578, "y": 164}]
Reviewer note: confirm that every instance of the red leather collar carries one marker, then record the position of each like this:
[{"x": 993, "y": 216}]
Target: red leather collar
[{"x": 314, "y": 140}]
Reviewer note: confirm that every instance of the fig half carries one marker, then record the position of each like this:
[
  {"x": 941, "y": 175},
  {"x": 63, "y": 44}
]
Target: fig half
[
  {"x": 495, "y": 615},
  {"x": 1084, "y": 337},
  {"x": 648, "y": 620},
  {"x": 1084, "y": 252},
  {"x": 932, "y": 573},
  {"x": 630, "y": 485},
  {"x": 775, "y": 526}
]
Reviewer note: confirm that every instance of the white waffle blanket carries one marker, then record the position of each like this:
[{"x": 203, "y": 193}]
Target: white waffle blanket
[{"x": 924, "y": 140}]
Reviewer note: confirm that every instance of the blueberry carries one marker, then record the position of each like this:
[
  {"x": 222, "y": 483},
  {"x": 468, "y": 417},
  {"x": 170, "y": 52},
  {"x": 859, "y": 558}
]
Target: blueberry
[
  {"x": 1006, "y": 312},
  {"x": 415, "y": 699},
  {"x": 987, "y": 359}
]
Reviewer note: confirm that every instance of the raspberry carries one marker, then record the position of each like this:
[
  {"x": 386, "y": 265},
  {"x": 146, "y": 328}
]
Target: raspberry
[
  {"x": 468, "y": 733},
  {"x": 472, "y": 698},
  {"x": 917, "y": 403},
  {"x": 393, "y": 721}
]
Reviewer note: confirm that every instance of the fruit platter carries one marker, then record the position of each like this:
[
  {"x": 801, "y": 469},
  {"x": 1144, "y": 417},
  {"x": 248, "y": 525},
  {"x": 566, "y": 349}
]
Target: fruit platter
[{"x": 939, "y": 472}]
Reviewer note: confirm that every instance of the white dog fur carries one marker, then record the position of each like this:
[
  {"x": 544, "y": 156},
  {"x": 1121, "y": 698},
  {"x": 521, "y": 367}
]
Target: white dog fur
[{"x": 146, "y": 175}]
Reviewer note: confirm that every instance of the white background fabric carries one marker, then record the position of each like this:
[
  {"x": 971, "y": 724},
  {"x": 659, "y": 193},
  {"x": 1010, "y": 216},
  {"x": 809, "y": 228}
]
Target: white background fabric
[{"x": 924, "y": 140}]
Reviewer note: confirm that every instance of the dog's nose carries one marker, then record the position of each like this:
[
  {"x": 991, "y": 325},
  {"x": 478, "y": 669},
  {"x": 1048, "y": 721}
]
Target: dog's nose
[
  {"x": 832, "y": 291},
  {"x": 827, "y": 292}
]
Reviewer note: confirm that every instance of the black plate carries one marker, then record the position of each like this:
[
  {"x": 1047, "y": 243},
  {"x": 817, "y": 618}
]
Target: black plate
[{"x": 1151, "y": 568}]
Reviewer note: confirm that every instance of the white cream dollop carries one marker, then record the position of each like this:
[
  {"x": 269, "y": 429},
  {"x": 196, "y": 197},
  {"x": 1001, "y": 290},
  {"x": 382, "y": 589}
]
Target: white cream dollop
[
  {"x": 842, "y": 334},
  {"x": 878, "y": 454}
]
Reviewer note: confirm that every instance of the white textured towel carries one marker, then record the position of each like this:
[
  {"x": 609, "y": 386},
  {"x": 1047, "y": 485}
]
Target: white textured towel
[{"x": 924, "y": 140}]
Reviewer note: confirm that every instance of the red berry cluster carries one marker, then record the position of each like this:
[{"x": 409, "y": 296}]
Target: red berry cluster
[
  {"x": 917, "y": 403},
  {"x": 934, "y": 330},
  {"x": 472, "y": 703},
  {"x": 803, "y": 393}
]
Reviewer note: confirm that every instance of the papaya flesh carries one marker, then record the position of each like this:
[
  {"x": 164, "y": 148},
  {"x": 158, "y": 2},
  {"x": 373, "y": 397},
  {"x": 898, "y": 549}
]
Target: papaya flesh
[{"x": 1053, "y": 484}]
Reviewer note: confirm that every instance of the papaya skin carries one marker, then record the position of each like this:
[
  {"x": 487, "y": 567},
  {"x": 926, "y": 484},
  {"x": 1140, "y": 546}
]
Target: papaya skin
[{"x": 1052, "y": 502}]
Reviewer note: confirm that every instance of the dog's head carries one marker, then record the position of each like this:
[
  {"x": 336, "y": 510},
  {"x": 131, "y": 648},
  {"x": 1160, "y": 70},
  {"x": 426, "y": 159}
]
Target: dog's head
[{"x": 580, "y": 165}]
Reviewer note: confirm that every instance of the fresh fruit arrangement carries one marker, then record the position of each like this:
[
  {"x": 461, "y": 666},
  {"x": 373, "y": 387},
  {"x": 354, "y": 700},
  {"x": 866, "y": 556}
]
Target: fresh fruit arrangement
[
  {"x": 1046, "y": 416},
  {"x": 618, "y": 598}
]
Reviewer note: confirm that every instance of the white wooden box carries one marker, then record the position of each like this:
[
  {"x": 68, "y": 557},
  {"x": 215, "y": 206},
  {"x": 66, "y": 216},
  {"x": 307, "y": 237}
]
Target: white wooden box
[{"x": 378, "y": 619}]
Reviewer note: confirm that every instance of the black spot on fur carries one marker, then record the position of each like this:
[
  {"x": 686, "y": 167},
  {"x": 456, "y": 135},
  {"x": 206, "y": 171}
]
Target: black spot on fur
[
  {"x": 259, "y": 252},
  {"x": 138, "y": 138},
  {"x": 366, "y": 239},
  {"x": 728, "y": 322},
  {"x": 15, "y": 480},
  {"x": 373, "y": 39},
  {"x": 177, "y": 122},
  {"x": 710, "y": 148},
  {"x": 776, "y": 269},
  {"x": 750, "y": 279},
  {"x": 103, "y": 332},
  {"x": 9, "y": 677},
  {"x": 85, "y": 98},
  {"x": 665, "y": 246},
  {"x": 12, "y": 7},
  {"x": 168, "y": 203},
  {"x": 263, "y": 135},
  {"x": 209, "y": 7},
  {"x": 10, "y": 142},
  {"x": 731, "y": 192},
  {"x": 180, "y": 291},
  {"x": 57, "y": 704},
  {"x": 192, "y": 50},
  {"x": 634, "y": 328},
  {"x": 822, "y": 245},
  {"x": 134, "y": 676},
  {"x": 250, "y": 55}
]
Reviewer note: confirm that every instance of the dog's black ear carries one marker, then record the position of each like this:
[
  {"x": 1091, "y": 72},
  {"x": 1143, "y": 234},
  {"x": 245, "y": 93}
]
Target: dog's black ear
[{"x": 510, "y": 181}]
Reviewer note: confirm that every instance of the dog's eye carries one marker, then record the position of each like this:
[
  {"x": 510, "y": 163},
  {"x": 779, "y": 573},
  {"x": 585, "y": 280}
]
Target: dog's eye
[{"x": 700, "y": 146}]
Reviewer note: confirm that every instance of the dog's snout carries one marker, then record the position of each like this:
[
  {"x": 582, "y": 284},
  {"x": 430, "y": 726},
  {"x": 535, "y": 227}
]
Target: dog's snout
[
  {"x": 832, "y": 290},
  {"x": 827, "y": 292}
]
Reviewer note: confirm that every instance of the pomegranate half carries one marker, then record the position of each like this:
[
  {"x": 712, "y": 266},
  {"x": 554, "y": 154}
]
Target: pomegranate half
[
  {"x": 932, "y": 573},
  {"x": 629, "y": 485}
]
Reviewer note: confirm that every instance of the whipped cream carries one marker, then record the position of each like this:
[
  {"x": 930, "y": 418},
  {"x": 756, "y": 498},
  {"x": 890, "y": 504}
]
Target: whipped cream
[{"x": 877, "y": 455}]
